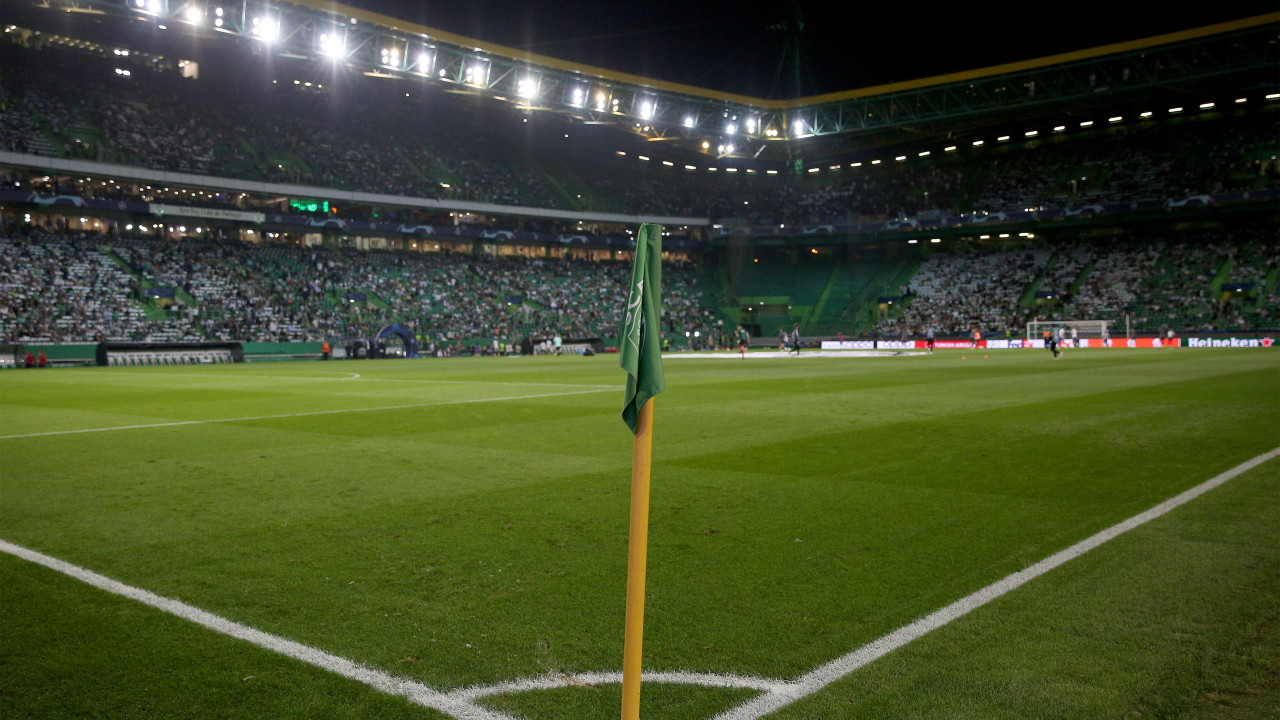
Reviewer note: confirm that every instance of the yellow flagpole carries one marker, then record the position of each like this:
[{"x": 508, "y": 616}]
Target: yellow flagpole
[{"x": 637, "y": 552}]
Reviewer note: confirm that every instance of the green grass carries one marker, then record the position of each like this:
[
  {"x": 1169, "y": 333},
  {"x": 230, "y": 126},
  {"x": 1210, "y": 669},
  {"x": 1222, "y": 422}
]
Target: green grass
[{"x": 476, "y": 533}]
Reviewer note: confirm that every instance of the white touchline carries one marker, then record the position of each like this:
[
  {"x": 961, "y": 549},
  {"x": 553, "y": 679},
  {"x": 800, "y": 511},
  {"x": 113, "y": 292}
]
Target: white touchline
[
  {"x": 820, "y": 677},
  {"x": 775, "y": 694},
  {"x": 301, "y": 414},
  {"x": 411, "y": 690}
]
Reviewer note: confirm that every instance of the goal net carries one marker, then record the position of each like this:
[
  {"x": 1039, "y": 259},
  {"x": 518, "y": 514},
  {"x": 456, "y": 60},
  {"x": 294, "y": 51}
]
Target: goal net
[{"x": 1082, "y": 328}]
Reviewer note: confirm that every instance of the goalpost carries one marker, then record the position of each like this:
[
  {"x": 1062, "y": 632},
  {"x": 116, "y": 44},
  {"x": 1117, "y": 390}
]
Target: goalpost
[{"x": 1083, "y": 328}]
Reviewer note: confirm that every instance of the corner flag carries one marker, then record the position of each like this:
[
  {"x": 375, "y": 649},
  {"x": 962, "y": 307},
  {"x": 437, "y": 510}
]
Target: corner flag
[
  {"x": 641, "y": 327},
  {"x": 642, "y": 359}
]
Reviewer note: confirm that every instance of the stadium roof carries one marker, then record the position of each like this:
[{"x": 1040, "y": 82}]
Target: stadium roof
[{"x": 1183, "y": 65}]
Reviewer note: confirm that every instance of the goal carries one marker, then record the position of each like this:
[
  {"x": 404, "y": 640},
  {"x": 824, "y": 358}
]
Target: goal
[{"x": 1083, "y": 328}]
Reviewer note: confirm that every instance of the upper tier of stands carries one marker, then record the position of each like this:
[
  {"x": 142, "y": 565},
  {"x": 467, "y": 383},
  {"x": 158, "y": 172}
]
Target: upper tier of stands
[{"x": 255, "y": 124}]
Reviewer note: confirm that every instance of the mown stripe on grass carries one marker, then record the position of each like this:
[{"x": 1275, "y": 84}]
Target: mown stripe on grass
[
  {"x": 302, "y": 414},
  {"x": 817, "y": 679},
  {"x": 461, "y": 703}
]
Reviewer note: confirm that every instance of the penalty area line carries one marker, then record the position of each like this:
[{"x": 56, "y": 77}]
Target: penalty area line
[
  {"x": 342, "y": 411},
  {"x": 818, "y": 678}
]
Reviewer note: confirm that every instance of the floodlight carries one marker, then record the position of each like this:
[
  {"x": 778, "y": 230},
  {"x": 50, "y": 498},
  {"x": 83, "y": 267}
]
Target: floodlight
[
  {"x": 751, "y": 125},
  {"x": 1206, "y": 106},
  {"x": 1031, "y": 133},
  {"x": 646, "y": 111},
  {"x": 688, "y": 121},
  {"x": 1002, "y": 138},
  {"x": 729, "y": 149},
  {"x": 900, "y": 158},
  {"x": 266, "y": 30},
  {"x": 1087, "y": 123},
  {"x": 194, "y": 14},
  {"x": 731, "y": 128},
  {"x": 1115, "y": 119},
  {"x": 1174, "y": 110},
  {"x": 332, "y": 45}
]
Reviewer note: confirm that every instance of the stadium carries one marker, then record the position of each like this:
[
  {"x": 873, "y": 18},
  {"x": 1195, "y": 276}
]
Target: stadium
[{"x": 310, "y": 341}]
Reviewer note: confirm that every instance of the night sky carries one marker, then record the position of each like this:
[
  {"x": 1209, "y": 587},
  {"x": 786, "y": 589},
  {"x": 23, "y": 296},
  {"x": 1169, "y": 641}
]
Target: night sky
[{"x": 738, "y": 47}]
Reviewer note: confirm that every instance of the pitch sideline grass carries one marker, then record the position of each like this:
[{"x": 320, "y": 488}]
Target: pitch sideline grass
[{"x": 700, "y": 477}]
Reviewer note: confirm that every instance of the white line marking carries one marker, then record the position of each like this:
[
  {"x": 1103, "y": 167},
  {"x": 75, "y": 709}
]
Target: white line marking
[
  {"x": 348, "y": 377},
  {"x": 817, "y": 679},
  {"x": 301, "y": 414},
  {"x": 414, "y": 692},
  {"x": 461, "y": 703}
]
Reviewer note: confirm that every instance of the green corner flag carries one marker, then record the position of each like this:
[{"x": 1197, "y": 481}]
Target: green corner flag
[{"x": 641, "y": 327}]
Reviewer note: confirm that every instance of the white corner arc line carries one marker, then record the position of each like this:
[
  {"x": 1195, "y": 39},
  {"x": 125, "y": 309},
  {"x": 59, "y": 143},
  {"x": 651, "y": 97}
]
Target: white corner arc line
[
  {"x": 818, "y": 678},
  {"x": 411, "y": 690},
  {"x": 460, "y": 703},
  {"x": 301, "y": 414}
]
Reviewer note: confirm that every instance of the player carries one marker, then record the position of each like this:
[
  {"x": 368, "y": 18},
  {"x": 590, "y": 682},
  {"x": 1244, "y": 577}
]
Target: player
[
  {"x": 1051, "y": 342},
  {"x": 795, "y": 339},
  {"x": 782, "y": 339},
  {"x": 744, "y": 339},
  {"x": 928, "y": 336}
]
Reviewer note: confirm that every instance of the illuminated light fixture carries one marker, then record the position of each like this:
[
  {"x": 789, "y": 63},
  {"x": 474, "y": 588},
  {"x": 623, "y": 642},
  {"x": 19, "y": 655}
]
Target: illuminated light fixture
[
  {"x": 1087, "y": 123},
  {"x": 1274, "y": 96},
  {"x": 751, "y": 171},
  {"x": 1206, "y": 106},
  {"x": 797, "y": 128},
  {"x": 984, "y": 237},
  {"x": 194, "y": 14},
  {"x": 900, "y": 158},
  {"x": 688, "y": 121},
  {"x": 857, "y": 164},
  {"x": 1004, "y": 235},
  {"x": 527, "y": 88},
  {"x": 690, "y": 167},
  {"x": 720, "y": 149},
  {"x": 731, "y": 128},
  {"x": 331, "y": 45},
  {"x": 668, "y": 163},
  {"x": 711, "y": 169},
  {"x": 706, "y": 145},
  {"x": 912, "y": 241},
  {"x": 578, "y": 95},
  {"x": 949, "y": 148},
  {"x": 771, "y": 172},
  {"x": 925, "y": 153},
  {"x": 1174, "y": 110},
  {"x": 218, "y": 12},
  {"x": 1146, "y": 114},
  {"x": 751, "y": 125},
  {"x": 935, "y": 240},
  {"x": 1241, "y": 101},
  {"x": 732, "y": 170},
  {"x": 875, "y": 162},
  {"x": 1002, "y": 138},
  {"x": 218, "y": 22},
  {"x": 728, "y": 149},
  {"x": 643, "y": 157},
  {"x": 833, "y": 167},
  {"x": 979, "y": 143},
  {"x": 1115, "y": 119},
  {"x": 443, "y": 74},
  {"x": 1059, "y": 128},
  {"x": 646, "y": 111},
  {"x": 265, "y": 29},
  {"x": 619, "y": 153},
  {"x": 1031, "y": 133},
  {"x": 814, "y": 170}
]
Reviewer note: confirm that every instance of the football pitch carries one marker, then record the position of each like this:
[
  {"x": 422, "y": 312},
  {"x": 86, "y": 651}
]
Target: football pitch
[{"x": 962, "y": 535}]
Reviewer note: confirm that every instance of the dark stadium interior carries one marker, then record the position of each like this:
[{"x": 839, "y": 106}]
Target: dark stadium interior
[{"x": 1148, "y": 208}]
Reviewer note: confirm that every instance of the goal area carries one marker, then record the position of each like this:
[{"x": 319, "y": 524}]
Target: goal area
[{"x": 1083, "y": 328}]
